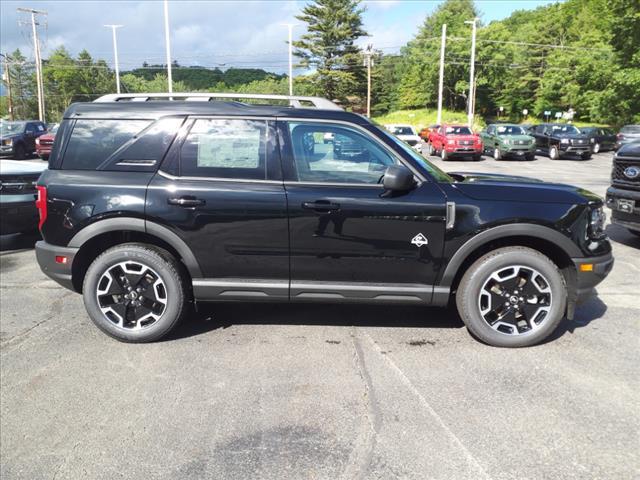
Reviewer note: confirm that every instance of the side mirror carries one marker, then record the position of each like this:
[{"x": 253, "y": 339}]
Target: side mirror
[{"x": 398, "y": 178}]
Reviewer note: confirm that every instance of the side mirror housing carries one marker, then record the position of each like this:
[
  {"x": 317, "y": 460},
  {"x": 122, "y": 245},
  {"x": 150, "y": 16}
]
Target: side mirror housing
[{"x": 398, "y": 178}]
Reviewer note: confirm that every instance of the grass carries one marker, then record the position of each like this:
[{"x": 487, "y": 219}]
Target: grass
[{"x": 423, "y": 117}]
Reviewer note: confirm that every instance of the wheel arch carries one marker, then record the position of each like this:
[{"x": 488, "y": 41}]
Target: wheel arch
[
  {"x": 549, "y": 242},
  {"x": 97, "y": 237}
]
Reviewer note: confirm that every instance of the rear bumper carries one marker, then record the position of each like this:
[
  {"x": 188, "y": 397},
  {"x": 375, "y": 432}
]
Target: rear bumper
[
  {"x": 18, "y": 217},
  {"x": 596, "y": 273},
  {"x": 60, "y": 272}
]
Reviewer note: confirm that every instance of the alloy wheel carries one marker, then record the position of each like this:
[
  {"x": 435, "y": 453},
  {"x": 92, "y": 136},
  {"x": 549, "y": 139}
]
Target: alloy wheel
[
  {"x": 131, "y": 295},
  {"x": 515, "y": 300}
]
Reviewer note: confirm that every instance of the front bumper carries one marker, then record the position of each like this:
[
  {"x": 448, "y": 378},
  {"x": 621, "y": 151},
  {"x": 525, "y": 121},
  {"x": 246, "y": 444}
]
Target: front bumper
[
  {"x": 6, "y": 150},
  {"x": 18, "y": 216},
  {"x": 625, "y": 207},
  {"x": 590, "y": 272},
  {"x": 574, "y": 149},
  {"x": 60, "y": 272}
]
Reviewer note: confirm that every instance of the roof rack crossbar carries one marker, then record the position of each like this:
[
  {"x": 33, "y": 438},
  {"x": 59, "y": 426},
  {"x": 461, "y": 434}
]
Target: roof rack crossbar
[{"x": 294, "y": 100}]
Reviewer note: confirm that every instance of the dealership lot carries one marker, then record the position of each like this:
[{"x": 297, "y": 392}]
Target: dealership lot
[{"x": 327, "y": 392}]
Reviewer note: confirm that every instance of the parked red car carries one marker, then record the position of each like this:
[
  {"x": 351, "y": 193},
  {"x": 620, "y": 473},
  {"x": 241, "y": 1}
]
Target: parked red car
[
  {"x": 44, "y": 143},
  {"x": 450, "y": 141}
]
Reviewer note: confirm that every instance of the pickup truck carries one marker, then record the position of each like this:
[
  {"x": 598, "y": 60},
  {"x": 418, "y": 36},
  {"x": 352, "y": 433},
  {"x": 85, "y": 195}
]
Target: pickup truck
[{"x": 451, "y": 141}]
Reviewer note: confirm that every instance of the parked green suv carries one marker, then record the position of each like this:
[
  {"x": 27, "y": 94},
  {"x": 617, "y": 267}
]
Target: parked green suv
[{"x": 503, "y": 140}]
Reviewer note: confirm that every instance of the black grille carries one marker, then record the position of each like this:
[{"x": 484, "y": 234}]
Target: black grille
[
  {"x": 579, "y": 141},
  {"x": 465, "y": 142},
  {"x": 18, "y": 184},
  {"x": 618, "y": 175},
  {"x": 46, "y": 141}
]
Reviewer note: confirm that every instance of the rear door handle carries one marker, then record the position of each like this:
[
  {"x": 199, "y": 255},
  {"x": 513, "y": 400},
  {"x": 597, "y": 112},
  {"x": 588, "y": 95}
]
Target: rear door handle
[
  {"x": 321, "y": 206},
  {"x": 187, "y": 201}
]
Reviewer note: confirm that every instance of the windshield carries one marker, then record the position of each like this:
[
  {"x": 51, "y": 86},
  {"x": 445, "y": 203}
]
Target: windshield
[
  {"x": 402, "y": 131},
  {"x": 458, "y": 131},
  {"x": 510, "y": 130},
  {"x": 435, "y": 172},
  {"x": 11, "y": 128},
  {"x": 565, "y": 129}
]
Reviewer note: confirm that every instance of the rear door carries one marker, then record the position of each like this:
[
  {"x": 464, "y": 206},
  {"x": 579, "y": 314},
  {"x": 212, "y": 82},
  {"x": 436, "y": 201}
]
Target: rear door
[
  {"x": 220, "y": 189},
  {"x": 349, "y": 240}
]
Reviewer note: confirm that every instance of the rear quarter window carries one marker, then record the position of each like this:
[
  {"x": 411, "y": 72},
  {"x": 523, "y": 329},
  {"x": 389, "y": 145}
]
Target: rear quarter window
[{"x": 93, "y": 141}]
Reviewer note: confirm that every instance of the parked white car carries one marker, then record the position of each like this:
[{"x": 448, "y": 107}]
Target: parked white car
[{"x": 407, "y": 134}]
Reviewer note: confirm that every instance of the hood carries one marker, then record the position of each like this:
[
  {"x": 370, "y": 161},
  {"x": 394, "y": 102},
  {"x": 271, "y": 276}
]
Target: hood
[
  {"x": 13, "y": 167},
  {"x": 408, "y": 137},
  {"x": 462, "y": 137},
  {"x": 513, "y": 188},
  {"x": 570, "y": 135},
  {"x": 7, "y": 136}
]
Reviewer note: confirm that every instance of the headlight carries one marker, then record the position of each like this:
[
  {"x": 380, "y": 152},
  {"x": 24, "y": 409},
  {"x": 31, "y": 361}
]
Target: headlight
[
  {"x": 564, "y": 140},
  {"x": 451, "y": 142},
  {"x": 507, "y": 141},
  {"x": 597, "y": 221},
  {"x": 8, "y": 141},
  {"x": 593, "y": 140},
  {"x": 38, "y": 141}
]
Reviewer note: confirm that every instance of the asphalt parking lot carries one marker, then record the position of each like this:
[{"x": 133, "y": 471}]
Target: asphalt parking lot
[{"x": 322, "y": 391}]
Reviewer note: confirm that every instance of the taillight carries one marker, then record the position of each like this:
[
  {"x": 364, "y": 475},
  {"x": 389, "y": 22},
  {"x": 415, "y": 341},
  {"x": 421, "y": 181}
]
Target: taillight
[{"x": 41, "y": 205}]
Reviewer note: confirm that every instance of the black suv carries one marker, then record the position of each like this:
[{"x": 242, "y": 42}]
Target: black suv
[
  {"x": 149, "y": 206},
  {"x": 18, "y": 139},
  {"x": 561, "y": 140},
  {"x": 623, "y": 197}
]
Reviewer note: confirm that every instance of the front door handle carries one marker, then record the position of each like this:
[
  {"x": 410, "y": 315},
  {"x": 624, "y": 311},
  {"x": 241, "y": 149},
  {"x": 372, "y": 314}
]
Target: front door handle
[
  {"x": 186, "y": 201},
  {"x": 321, "y": 206}
]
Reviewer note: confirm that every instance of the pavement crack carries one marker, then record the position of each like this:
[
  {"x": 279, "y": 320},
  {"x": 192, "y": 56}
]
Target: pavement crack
[
  {"x": 362, "y": 454},
  {"x": 472, "y": 461}
]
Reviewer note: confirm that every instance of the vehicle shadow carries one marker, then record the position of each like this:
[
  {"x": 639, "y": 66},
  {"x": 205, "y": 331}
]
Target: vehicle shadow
[
  {"x": 590, "y": 310},
  {"x": 214, "y": 316},
  {"x": 621, "y": 235},
  {"x": 18, "y": 241}
]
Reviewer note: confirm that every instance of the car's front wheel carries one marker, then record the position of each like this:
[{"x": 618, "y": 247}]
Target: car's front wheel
[
  {"x": 554, "y": 153},
  {"x": 444, "y": 154},
  {"x": 135, "y": 293},
  {"x": 512, "y": 297},
  {"x": 497, "y": 154}
]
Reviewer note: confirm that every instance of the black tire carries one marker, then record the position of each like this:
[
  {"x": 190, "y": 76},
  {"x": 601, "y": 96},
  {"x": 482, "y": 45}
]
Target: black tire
[
  {"x": 470, "y": 295},
  {"x": 429, "y": 149},
  {"x": 444, "y": 155},
  {"x": 554, "y": 153},
  {"x": 19, "y": 152},
  {"x": 596, "y": 148},
  {"x": 160, "y": 264},
  {"x": 497, "y": 154}
]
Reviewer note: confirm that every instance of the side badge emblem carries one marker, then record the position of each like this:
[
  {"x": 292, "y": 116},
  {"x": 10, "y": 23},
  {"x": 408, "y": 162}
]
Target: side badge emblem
[{"x": 419, "y": 240}]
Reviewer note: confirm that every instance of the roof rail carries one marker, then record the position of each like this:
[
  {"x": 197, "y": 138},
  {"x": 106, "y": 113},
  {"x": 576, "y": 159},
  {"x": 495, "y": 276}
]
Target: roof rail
[{"x": 294, "y": 100}]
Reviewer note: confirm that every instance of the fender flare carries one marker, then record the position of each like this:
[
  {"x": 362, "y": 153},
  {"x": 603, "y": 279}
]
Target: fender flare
[
  {"x": 512, "y": 230},
  {"x": 139, "y": 225}
]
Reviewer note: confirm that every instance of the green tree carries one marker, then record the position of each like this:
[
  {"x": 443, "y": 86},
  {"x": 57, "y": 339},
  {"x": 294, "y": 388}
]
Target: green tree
[
  {"x": 333, "y": 26},
  {"x": 23, "y": 86}
]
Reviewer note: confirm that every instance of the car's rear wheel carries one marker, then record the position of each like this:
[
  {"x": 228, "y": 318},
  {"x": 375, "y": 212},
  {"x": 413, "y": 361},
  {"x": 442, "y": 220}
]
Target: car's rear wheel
[
  {"x": 135, "y": 293},
  {"x": 554, "y": 153},
  {"x": 512, "y": 297}
]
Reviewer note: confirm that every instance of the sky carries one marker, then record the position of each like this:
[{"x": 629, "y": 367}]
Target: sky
[{"x": 247, "y": 34}]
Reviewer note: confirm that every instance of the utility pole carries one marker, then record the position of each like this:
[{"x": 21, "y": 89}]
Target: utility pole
[
  {"x": 472, "y": 71},
  {"x": 167, "y": 42},
  {"x": 7, "y": 78},
  {"x": 290, "y": 26},
  {"x": 36, "y": 51},
  {"x": 115, "y": 54},
  {"x": 368, "y": 53},
  {"x": 441, "y": 81}
]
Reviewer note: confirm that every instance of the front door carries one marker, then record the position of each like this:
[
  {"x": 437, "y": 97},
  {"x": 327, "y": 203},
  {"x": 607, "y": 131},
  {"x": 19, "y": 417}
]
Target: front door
[
  {"x": 349, "y": 239},
  {"x": 225, "y": 199}
]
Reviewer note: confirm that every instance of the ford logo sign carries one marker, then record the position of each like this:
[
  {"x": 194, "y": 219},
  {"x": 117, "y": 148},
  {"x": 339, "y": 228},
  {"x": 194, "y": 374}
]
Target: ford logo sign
[{"x": 632, "y": 172}]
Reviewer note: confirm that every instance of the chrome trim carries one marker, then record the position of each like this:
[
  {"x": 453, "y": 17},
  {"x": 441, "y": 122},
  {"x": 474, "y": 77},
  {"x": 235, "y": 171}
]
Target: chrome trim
[
  {"x": 450, "y": 215},
  {"x": 334, "y": 184},
  {"x": 136, "y": 163},
  {"x": 218, "y": 179}
]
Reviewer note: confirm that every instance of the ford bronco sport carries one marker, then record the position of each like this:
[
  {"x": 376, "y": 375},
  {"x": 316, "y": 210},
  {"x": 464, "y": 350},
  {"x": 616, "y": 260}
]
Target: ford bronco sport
[{"x": 152, "y": 204}]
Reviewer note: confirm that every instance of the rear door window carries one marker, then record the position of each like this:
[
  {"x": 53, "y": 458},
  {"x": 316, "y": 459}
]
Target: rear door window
[
  {"x": 225, "y": 148},
  {"x": 93, "y": 141}
]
